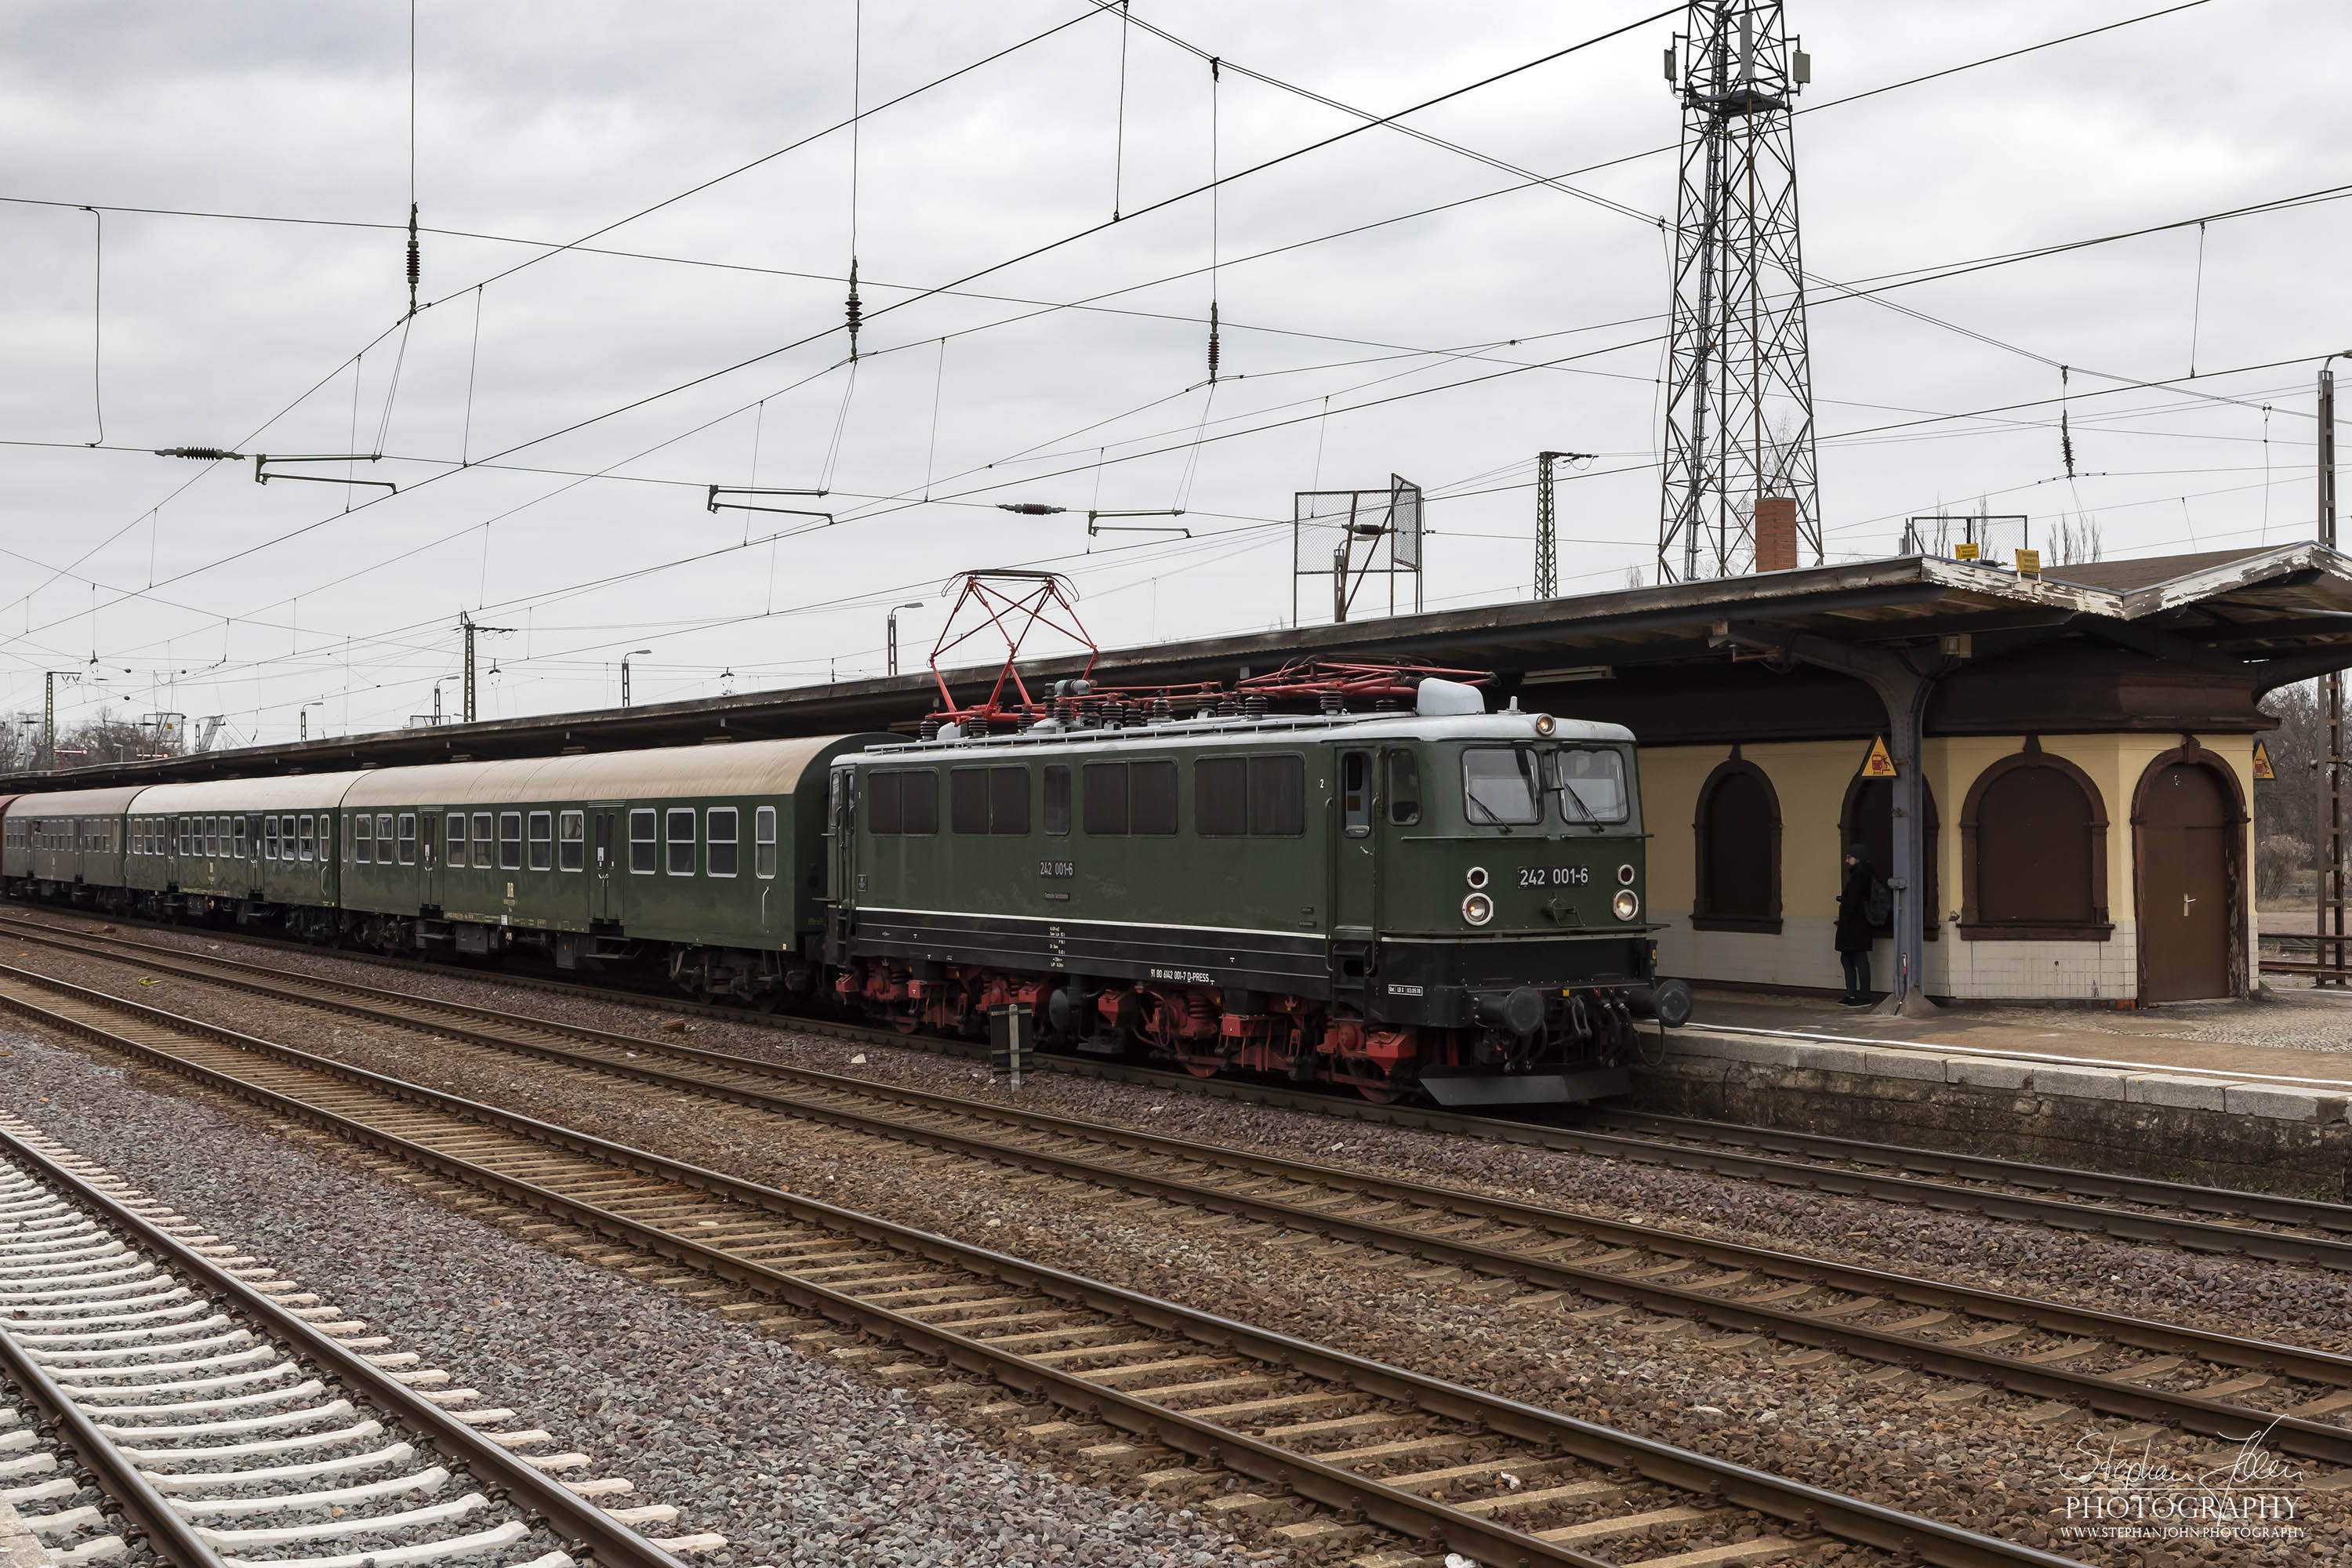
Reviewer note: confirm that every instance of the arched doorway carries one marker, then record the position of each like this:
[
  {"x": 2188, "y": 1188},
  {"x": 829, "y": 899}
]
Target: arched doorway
[
  {"x": 1868, "y": 818},
  {"x": 2189, "y": 825}
]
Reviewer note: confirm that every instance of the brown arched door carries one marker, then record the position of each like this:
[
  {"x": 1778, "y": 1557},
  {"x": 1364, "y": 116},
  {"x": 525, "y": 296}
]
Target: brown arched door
[{"x": 2188, "y": 825}]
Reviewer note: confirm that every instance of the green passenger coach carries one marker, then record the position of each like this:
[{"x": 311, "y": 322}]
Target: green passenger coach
[
  {"x": 705, "y": 857},
  {"x": 1448, "y": 899}
]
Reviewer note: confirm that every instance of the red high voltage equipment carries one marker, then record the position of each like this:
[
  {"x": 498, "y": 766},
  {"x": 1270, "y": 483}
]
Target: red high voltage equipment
[
  {"x": 1013, "y": 602},
  {"x": 1740, "y": 395}
]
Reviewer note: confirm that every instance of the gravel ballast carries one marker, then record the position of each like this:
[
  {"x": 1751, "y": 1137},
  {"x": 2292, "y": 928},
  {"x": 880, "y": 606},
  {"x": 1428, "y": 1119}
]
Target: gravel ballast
[{"x": 793, "y": 1460}]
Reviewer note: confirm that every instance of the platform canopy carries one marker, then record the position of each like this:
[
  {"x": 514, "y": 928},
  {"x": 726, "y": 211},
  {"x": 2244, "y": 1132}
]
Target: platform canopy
[{"x": 2177, "y": 641}]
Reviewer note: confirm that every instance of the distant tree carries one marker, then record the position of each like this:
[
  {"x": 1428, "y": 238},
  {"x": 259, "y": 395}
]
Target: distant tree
[{"x": 2286, "y": 810}]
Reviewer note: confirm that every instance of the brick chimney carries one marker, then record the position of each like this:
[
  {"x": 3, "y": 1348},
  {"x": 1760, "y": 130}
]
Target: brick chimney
[{"x": 1776, "y": 534}]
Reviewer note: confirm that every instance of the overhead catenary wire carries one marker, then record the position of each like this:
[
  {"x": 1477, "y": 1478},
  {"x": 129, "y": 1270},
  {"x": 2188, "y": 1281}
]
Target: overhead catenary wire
[{"x": 942, "y": 346}]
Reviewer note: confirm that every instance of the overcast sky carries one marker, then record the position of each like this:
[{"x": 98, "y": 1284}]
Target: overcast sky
[{"x": 553, "y": 432}]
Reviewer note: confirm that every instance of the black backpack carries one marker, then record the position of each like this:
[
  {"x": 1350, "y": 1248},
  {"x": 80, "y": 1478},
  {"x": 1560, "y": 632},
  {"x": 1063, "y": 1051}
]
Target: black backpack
[{"x": 1878, "y": 905}]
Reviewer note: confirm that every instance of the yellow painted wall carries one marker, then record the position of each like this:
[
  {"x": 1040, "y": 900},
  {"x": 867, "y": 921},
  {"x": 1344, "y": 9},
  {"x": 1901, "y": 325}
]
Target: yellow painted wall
[{"x": 1810, "y": 778}]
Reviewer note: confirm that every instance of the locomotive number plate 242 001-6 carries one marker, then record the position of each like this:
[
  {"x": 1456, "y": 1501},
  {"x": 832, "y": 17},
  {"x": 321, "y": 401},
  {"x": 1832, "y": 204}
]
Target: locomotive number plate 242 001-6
[
  {"x": 1057, "y": 867},
  {"x": 1555, "y": 876}
]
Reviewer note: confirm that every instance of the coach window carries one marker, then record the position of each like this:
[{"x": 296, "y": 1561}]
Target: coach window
[
  {"x": 572, "y": 841},
  {"x": 510, "y": 841},
  {"x": 454, "y": 839},
  {"x": 408, "y": 838},
  {"x": 678, "y": 837},
  {"x": 1737, "y": 839},
  {"x": 1404, "y": 780},
  {"x": 240, "y": 845},
  {"x": 724, "y": 830},
  {"x": 269, "y": 838},
  {"x": 306, "y": 837},
  {"x": 644, "y": 853},
  {"x": 1356, "y": 793},
  {"x": 363, "y": 838},
  {"x": 485, "y": 856},
  {"x": 382, "y": 837},
  {"x": 1103, "y": 786},
  {"x": 1057, "y": 798},
  {"x": 764, "y": 832},
  {"x": 543, "y": 845},
  {"x": 1498, "y": 786}
]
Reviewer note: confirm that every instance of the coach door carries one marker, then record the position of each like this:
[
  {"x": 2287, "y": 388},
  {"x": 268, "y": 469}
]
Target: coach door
[
  {"x": 607, "y": 844},
  {"x": 1354, "y": 895}
]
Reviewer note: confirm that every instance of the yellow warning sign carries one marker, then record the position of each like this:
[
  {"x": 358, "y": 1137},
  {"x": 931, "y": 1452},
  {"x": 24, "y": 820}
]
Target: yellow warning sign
[
  {"x": 2029, "y": 563},
  {"x": 2262, "y": 769},
  {"x": 1879, "y": 765}
]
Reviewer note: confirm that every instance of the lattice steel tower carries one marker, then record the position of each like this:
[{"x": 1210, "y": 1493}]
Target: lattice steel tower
[{"x": 1739, "y": 399}]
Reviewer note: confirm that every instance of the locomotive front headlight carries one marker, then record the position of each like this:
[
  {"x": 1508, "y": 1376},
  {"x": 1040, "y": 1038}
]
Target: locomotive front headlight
[
  {"x": 1476, "y": 877},
  {"x": 1545, "y": 724},
  {"x": 1625, "y": 875},
  {"x": 1478, "y": 908},
  {"x": 1627, "y": 903}
]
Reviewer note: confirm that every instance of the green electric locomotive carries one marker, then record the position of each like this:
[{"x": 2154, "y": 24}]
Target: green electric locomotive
[{"x": 1448, "y": 899}]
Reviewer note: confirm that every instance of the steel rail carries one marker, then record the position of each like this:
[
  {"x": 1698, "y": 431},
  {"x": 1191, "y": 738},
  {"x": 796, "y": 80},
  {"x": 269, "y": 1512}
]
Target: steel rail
[
  {"x": 2113, "y": 1395},
  {"x": 1849, "y": 1519},
  {"x": 588, "y": 1530},
  {"x": 2193, "y": 1234},
  {"x": 2275, "y": 1207},
  {"x": 171, "y": 1537}
]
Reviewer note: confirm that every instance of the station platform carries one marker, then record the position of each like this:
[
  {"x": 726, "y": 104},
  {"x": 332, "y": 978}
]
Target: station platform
[{"x": 2253, "y": 1094}]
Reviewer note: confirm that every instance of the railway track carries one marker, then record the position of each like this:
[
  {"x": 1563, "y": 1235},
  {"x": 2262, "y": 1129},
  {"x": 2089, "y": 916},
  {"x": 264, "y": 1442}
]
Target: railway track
[
  {"x": 1133, "y": 1379},
  {"x": 228, "y": 1416},
  {"x": 2268, "y": 1226},
  {"x": 2074, "y": 1360}
]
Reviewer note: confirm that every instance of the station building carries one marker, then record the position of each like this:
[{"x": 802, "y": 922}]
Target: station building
[{"x": 2073, "y": 807}]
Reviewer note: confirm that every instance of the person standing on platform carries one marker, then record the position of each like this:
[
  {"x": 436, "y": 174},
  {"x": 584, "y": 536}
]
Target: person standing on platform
[{"x": 1854, "y": 931}]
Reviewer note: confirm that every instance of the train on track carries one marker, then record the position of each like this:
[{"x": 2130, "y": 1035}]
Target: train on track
[{"x": 1438, "y": 900}]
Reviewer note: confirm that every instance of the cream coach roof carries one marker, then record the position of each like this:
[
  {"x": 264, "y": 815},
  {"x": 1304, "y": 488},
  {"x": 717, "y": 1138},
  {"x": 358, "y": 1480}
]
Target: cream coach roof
[
  {"x": 74, "y": 803},
  {"x": 296, "y": 791},
  {"x": 745, "y": 767}
]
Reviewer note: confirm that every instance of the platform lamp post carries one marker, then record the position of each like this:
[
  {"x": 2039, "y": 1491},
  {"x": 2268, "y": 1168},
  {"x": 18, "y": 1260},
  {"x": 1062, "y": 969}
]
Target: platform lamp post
[
  {"x": 625, "y": 672},
  {"x": 916, "y": 604}
]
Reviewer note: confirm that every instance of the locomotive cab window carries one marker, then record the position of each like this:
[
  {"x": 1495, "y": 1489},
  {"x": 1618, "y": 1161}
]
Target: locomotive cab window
[
  {"x": 1498, "y": 786},
  {"x": 454, "y": 839},
  {"x": 572, "y": 841},
  {"x": 677, "y": 833},
  {"x": 643, "y": 855},
  {"x": 542, "y": 846},
  {"x": 1356, "y": 793},
  {"x": 1591, "y": 784},
  {"x": 722, "y": 831},
  {"x": 764, "y": 832}
]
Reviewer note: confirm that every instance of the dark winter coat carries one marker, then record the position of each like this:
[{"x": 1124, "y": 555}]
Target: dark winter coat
[{"x": 1854, "y": 928}]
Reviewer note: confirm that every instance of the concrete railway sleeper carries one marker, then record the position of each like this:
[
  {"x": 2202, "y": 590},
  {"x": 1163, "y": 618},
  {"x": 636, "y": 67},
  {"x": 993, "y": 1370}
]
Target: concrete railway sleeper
[
  {"x": 1386, "y": 1449},
  {"x": 2309, "y": 1232},
  {"x": 231, "y": 1417},
  {"x": 2076, "y": 1360}
]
